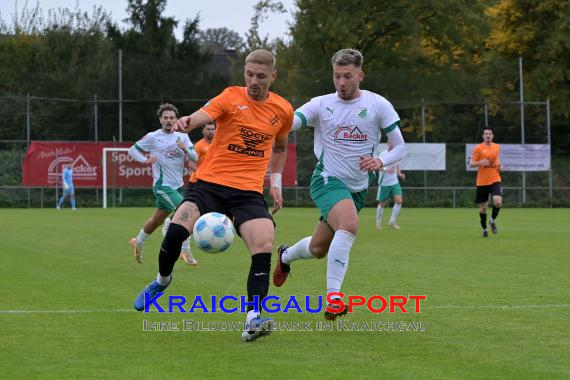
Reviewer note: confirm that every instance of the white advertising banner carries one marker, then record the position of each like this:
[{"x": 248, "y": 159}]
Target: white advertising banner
[
  {"x": 421, "y": 156},
  {"x": 518, "y": 157}
]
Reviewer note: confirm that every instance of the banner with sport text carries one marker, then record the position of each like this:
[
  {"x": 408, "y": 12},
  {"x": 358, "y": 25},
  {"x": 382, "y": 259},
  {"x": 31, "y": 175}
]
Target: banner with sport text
[
  {"x": 44, "y": 160},
  {"x": 421, "y": 156},
  {"x": 518, "y": 157}
]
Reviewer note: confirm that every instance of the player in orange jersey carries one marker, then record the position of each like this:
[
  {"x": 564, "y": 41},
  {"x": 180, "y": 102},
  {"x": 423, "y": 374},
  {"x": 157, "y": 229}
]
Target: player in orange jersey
[
  {"x": 202, "y": 146},
  {"x": 486, "y": 156},
  {"x": 253, "y": 124}
]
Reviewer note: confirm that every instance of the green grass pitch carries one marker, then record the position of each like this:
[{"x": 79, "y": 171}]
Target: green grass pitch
[{"x": 496, "y": 308}]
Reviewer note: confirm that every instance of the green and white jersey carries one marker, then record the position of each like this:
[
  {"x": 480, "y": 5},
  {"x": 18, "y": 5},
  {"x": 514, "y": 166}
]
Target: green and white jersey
[
  {"x": 168, "y": 170},
  {"x": 389, "y": 174},
  {"x": 345, "y": 130}
]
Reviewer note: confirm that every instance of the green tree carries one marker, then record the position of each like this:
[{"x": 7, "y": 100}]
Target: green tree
[
  {"x": 217, "y": 40},
  {"x": 65, "y": 55},
  {"x": 538, "y": 32}
]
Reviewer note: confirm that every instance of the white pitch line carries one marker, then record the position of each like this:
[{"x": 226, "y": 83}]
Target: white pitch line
[
  {"x": 456, "y": 307},
  {"x": 65, "y": 311},
  {"x": 502, "y": 307}
]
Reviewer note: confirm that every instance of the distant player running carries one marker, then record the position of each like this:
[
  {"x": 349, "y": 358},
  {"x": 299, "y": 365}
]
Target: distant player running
[
  {"x": 67, "y": 186},
  {"x": 486, "y": 157},
  {"x": 348, "y": 126},
  {"x": 166, "y": 150},
  {"x": 389, "y": 186}
]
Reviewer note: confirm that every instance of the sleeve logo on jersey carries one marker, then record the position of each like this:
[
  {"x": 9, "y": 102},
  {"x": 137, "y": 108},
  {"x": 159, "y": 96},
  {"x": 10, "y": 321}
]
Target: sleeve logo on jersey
[
  {"x": 350, "y": 135},
  {"x": 274, "y": 121},
  {"x": 251, "y": 140}
]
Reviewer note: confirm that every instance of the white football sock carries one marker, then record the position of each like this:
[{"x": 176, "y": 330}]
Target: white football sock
[
  {"x": 299, "y": 251},
  {"x": 163, "y": 280},
  {"x": 142, "y": 237},
  {"x": 337, "y": 265},
  {"x": 395, "y": 212},
  {"x": 186, "y": 246},
  {"x": 379, "y": 213},
  {"x": 165, "y": 226}
]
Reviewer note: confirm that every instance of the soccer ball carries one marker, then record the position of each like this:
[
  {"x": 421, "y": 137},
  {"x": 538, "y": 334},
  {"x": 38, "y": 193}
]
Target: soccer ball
[{"x": 214, "y": 232}]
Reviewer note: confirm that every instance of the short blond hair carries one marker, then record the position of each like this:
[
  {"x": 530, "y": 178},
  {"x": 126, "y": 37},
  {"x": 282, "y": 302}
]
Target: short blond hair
[
  {"x": 261, "y": 57},
  {"x": 347, "y": 57}
]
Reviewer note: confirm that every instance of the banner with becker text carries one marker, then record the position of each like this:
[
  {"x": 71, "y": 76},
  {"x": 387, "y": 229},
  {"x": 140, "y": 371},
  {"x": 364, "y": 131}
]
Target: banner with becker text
[{"x": 44, "y": 160}]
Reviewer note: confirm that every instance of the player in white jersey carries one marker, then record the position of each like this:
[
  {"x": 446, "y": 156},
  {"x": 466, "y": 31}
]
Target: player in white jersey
[
  {"x": 389, "y": 186},
  {"x": 348, "y": 126},
  {"x": 166, "y": 150}
]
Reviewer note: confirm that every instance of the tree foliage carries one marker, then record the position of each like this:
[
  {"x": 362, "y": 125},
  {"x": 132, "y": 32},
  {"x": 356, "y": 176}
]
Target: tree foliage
[
  {"x": 538, "y": 32},
  {"x": 217, "y": 40},
  {"x": 448, "y": 51}
]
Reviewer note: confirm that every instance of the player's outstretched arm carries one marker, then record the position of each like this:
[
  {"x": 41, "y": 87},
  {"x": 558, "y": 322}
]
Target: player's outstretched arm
[
  {"x": 196, "y": 120},
  {"x": 276, "y": 166}
]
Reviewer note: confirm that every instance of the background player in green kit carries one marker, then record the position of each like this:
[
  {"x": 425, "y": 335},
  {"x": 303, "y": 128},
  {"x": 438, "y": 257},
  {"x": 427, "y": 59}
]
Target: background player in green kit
[
  {"x": 389, "y": 186},
  {"x": 166, "y": 150}
]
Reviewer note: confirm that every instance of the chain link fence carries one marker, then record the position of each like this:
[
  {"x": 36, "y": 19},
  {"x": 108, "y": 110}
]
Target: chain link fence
[{"x": 27, "y": 118}]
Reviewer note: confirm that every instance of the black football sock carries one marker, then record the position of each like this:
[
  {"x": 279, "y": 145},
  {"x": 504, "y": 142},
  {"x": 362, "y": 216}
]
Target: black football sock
[
  {"x": 258, "y": 278},
  {"x": 483, "y": 220},
  {"x": 170, "y": 249},
  {"x": 495, "y": 212}
]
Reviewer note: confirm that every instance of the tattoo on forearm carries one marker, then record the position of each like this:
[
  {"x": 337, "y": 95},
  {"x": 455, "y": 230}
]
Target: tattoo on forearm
[{"x": 279, "y": 148}]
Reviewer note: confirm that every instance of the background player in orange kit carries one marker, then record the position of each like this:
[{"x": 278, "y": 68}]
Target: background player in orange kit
[{"x": 486, "y": 156}]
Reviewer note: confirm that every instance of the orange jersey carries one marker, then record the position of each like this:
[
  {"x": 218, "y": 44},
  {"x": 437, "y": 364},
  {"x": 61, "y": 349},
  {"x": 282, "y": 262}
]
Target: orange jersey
[
  {"x": 245, "y": 131},
  {"x": 201, "y": 147},
  {"x": 489, "y": 174}
]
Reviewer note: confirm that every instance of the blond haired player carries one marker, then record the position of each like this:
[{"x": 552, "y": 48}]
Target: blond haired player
[
  {"x": 253, "y": 125},
  {"x": 348, "y": 125}
]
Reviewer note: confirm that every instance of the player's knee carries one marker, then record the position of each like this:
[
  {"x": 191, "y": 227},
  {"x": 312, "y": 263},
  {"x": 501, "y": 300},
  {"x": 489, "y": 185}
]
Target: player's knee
[
  {"x": 498, "y": 204},
  {"x": 349, "y": 226},
  {"x": 318, "y": 251},
  {"x": 176, "y": 233},
  {"x": 266, "y": 246}
]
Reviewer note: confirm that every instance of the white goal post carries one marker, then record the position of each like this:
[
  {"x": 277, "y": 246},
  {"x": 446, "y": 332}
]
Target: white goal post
[{"x": 104, "y": 164}]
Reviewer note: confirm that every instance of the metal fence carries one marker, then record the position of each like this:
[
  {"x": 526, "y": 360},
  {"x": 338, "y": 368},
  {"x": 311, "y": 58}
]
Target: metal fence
[
  {"x": 451, "y": 197},
  {"x": 27, "y": 118}
]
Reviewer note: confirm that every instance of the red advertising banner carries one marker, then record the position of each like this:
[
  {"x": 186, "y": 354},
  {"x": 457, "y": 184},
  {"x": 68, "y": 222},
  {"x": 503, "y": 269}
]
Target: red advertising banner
[{"x": 44, "y": 160}]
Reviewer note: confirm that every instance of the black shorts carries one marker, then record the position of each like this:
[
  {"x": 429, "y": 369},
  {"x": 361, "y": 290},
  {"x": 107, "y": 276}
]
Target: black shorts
[
  {"x": 189, "y": 188},
  {"x": 483, "y": 192},
  {"x": 239, "y": 205}
]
